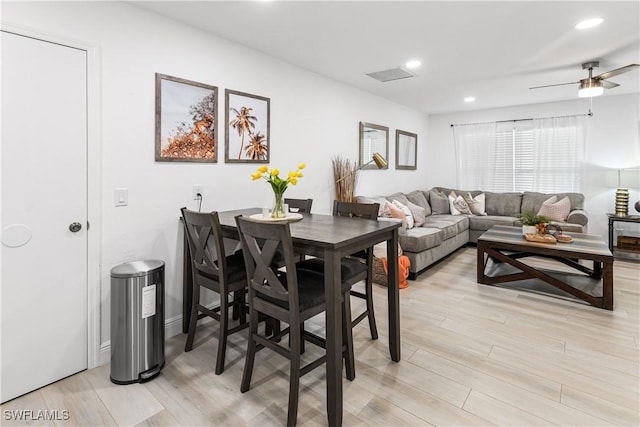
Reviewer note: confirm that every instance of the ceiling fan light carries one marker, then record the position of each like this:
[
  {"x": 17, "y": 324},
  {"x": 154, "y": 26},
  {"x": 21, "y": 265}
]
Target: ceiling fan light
[{"x": 590, "y": 88}]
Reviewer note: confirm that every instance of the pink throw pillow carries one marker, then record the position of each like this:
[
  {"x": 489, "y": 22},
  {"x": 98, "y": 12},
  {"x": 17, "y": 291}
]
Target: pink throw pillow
[
  {"x": 556, "y": 210},
  {"x": 395, "y": 211}
]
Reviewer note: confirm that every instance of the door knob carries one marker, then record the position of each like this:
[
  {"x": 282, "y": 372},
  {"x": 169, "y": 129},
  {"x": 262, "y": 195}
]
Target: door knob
[{"x": 74, "y": 227}]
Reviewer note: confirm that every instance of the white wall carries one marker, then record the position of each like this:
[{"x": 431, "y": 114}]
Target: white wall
[
  {"x": 612, "y": 143},
  {"x": 312, "y": 119}
]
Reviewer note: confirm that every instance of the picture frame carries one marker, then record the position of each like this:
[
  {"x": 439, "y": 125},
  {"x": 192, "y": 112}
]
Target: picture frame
[
  {"x": 406, "y": 150},
  {"x": 247, "y": 127},
  {"x": 186, "y": 125},
  {"x": 373, "y": 139}
]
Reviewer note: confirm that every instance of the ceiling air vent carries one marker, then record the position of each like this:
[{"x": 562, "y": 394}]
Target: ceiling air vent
[{"x": 392, "y": 74}]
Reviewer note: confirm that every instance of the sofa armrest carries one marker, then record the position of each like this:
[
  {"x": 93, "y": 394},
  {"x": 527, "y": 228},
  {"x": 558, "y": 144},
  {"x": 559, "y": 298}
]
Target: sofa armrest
[{"x": 578, "y": 216}]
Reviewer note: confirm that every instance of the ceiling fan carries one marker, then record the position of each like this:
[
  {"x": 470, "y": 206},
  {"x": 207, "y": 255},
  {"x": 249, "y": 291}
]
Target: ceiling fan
[{"x": 595, "y": 85}]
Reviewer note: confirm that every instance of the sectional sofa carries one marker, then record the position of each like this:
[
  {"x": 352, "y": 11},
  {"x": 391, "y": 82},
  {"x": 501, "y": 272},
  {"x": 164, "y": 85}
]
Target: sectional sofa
[{"x": 443, "y": 232}]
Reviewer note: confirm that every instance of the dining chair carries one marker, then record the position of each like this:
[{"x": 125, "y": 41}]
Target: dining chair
[
  {"x": 291, "y": 296},
  {"x": 358, "y": 266},
  {"x": 301, "y": 205},
  {"x": 212, "y": 269}
]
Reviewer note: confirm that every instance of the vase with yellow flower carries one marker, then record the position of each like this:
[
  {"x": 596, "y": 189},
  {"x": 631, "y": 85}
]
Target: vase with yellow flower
[{"x": 278, "y": 185}]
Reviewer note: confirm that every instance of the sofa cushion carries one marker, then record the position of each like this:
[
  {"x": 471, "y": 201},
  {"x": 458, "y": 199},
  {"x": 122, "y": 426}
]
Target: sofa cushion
[
  {"x": 406, "y": 211},
  {"x": 503, "y": 204},
  {"x": 417, "y": 197},
  {"x": 483, "y": 223},
  {"x": 476, "y": 204},
  {"x": 420, "y": 239},
  {"x": 418, "y": 212},
  {"x": 449, "y": 224},
  {"x": 401, "y": 197},
  {"x": 439, "y": 202},
  {"x": 532, "y": 201}
]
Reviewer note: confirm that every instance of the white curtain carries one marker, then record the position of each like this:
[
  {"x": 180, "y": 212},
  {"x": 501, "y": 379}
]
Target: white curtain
[
  {"x": 559, "y": 144},
  {"x": 475, "y": 154}
]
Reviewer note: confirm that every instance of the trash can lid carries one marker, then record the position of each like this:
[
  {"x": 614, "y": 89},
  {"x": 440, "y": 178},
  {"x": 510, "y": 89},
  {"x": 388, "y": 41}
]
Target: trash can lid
[{"x": 136, "y": 268}]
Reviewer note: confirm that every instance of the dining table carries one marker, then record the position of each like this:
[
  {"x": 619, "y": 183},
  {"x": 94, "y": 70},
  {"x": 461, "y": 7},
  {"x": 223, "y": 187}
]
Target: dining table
[{"x": 330, "y": 238}]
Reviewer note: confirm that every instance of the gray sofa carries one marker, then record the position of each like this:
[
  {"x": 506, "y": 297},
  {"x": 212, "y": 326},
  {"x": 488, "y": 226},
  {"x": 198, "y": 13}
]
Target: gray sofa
[{"x": 442, "y": 233}]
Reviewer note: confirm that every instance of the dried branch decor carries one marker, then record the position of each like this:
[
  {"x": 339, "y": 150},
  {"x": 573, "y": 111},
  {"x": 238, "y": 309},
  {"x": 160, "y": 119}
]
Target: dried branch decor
[{"x": 345, "y": 176}]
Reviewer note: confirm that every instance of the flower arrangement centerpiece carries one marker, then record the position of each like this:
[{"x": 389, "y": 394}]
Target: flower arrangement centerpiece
[
  {"x": 536, "y": 223},
  {"x": 278, "y": 185}
]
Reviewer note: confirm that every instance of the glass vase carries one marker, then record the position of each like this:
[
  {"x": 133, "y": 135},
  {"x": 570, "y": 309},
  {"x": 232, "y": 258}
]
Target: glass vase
[{"x": 278, "y": 206}]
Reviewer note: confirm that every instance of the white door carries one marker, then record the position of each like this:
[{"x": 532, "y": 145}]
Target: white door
[{"x": 44, "y": 190}]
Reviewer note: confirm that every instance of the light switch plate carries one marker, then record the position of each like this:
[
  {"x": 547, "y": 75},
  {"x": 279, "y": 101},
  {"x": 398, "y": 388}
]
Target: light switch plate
[{"x": 121, "y": 197}]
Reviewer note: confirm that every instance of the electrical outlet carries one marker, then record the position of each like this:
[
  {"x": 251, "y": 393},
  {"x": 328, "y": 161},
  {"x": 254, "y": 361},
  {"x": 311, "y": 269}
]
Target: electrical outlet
[{"x": 197, "y": 189}]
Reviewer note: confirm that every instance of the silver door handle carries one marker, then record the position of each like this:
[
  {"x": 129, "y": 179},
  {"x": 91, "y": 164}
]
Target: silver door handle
[{"x": 74, "y": 227}]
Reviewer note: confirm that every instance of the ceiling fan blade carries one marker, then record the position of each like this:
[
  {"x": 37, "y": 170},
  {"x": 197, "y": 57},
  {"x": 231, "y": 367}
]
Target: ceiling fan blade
[
  {"x": 559, "y": 84},
  {"x": 609, "y": 85},
  {"x": 615, "y": 72}
]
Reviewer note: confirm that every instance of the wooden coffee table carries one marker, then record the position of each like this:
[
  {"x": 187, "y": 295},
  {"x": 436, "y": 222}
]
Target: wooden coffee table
[{"x": 503, "y": 252}]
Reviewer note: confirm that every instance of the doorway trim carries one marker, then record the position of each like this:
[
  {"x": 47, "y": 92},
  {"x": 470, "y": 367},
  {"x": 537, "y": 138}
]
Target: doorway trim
[{"x": 94, "y": 180}]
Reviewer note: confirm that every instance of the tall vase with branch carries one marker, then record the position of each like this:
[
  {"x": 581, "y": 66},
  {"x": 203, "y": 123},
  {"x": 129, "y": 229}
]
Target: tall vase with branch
[{"x": 345, "y": 176}]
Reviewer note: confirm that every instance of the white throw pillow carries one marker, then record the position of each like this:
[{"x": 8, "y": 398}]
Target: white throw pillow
[
  {"x": 476, "y": 204},
  {"x": 557, "y": 211},
  {"x": 457, "y": 205},
  {"x": 406, "y": 211}
]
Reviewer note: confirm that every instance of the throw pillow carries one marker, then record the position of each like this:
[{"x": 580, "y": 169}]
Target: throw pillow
[
  {"x": 439, "y": 202},
  {"x": 406, "y": 211},
  {"x": 452, "y": 206},
  {"x": 395, "y": 211},
  {"x": 476, "y": 204},
  {"x": 418, "y": 213},
  {"x": 557, "y": 211}
]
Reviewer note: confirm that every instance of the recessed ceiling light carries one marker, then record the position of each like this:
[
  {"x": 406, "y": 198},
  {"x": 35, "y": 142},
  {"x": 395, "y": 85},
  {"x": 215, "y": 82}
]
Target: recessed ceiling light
[
  {"x": 470, "y": 99},
  {"x": 589, "y": 23},
  {"x": 414, "y": 63}
]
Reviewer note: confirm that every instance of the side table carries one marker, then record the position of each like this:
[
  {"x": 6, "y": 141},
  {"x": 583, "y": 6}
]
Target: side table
[{"x": 612, "y": 219}]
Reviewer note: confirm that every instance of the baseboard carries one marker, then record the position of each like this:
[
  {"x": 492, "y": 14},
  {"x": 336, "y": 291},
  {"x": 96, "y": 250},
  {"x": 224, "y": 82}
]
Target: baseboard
[{"x": 172, "y": 327}]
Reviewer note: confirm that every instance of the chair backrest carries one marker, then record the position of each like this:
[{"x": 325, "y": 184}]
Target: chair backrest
[
  {"x": 261, "y": 242},
  {"x": 360, "y": 210},
  {"x": 205, "y": 242},
  {"x": 303, "y": 205}
]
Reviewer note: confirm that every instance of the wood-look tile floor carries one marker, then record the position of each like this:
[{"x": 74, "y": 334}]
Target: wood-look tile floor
[{"x": 471, "y": 355}]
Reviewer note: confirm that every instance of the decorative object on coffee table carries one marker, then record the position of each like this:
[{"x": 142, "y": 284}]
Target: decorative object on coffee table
[{"x": 533, "y": 223}]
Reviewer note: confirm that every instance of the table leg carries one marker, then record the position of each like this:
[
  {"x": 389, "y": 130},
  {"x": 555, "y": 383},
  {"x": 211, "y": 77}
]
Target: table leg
[
  {"x": 607, "y": 286},
  {"x": 393, "y": 297},
  {"x": 480, "y": 263},
  {"x": 333, "y": 317}
]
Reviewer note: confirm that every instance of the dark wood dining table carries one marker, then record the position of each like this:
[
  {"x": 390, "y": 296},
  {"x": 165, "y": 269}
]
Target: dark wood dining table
[{"x": 331, "y": 238}]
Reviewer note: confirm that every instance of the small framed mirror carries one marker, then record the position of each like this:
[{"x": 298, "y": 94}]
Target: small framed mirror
[
  {"x": 406, "y": 150},
  {"x": 373, "y": 139}
]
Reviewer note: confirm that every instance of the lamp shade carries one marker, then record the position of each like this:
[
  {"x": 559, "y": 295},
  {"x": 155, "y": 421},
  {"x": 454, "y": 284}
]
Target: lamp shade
[
  {"x": 590, "y": 88},
  {"x": 379, "y": 160}
]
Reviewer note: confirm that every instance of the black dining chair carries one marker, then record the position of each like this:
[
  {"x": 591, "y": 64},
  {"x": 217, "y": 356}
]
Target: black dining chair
[
  {"x": 291, "y": 296},
  {"x": 299, "y": 205},
  {"x": 358, "y": 266},
  {"x": 212, "y": 269}
]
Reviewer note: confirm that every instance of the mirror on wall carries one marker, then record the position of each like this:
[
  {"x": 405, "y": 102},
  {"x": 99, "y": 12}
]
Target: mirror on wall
[
  {"x": 373, "y": 139},
  {"x": 406, "y": 150}
]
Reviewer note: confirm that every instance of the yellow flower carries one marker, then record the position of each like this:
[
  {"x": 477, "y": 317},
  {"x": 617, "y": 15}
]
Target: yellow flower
[
  {"x": 301, "y": 166},
  {"x": 263, "y": 169},
  {"x": 256, "y": 175},
  {"x": 292, "y": 174},
  {"x": 275, "y": 172},
  {"x": 293, "y": 181},
  {"x": 299, "y": 174}
]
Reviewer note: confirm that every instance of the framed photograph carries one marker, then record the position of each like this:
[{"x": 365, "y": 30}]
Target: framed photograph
[
  {"x": 186, "y": 129},
  {"x": 406, "y": 150},
  {"x": 247, "y": 132},
  {"x": 373, "y": 139}
]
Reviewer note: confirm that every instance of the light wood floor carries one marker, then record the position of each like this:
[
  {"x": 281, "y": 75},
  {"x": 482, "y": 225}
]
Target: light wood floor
[{"x": 471, "y": 355}]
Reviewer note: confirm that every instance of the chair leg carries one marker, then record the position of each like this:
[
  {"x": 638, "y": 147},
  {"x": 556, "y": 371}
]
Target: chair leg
[
  {"x": 370, "y": 314},
  {"x": 251, "y": 352},
  {"x": 295, "y": 336},
  {"x": 195, "y": 301},
  {"x": 347, "y": 337},
  {"x": 224, "y": 332}
]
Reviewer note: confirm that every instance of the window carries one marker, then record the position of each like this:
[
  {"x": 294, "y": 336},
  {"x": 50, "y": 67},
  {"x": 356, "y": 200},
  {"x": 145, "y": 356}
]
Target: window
[{"x": 525, "y": 155}]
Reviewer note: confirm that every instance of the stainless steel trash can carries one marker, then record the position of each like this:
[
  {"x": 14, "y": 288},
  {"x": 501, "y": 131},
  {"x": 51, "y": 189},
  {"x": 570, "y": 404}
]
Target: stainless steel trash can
[{"x": 137, "y": 321}]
